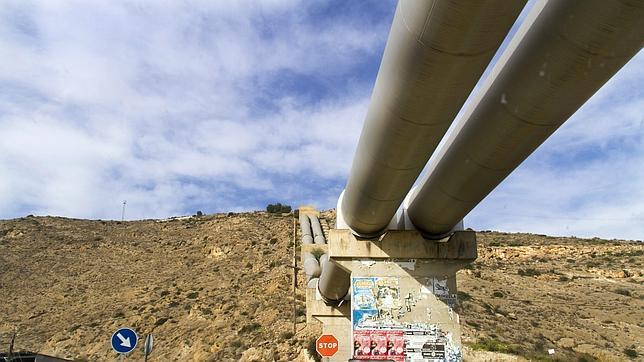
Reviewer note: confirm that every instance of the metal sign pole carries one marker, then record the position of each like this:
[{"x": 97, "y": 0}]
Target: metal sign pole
[{"x": 148, "y": 346}]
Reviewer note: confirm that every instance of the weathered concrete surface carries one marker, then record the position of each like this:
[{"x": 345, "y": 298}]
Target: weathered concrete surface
[{"x": 401, "y": 244}]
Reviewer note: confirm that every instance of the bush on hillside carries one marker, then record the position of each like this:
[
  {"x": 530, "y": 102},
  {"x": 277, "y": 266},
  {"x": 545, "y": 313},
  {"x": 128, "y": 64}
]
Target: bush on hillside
[{"x": 278, "y": 208}]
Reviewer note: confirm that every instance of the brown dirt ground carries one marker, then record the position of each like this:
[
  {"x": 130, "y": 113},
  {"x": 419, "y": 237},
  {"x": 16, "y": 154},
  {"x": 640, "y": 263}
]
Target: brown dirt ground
[{"x": 218, "y": 288}]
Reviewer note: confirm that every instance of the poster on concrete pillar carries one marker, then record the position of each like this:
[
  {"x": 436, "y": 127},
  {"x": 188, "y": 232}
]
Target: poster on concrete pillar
[
  {"x": 428, "y": 344},
  {"x": 375, "y": 302},
  {"x": 379, "y": 345},
  {"x": 375, "y": 305},
  {"x": 387, "y": 325}
]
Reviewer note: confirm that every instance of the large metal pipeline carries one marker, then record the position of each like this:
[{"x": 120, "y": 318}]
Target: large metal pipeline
[
  {"x": 311, "y": 266},
  {"x": 324, "y": 258},
  {"x": 318, "y": 235},
  {"x": 334, "y": 282},
  {"x": 561, "y": 55},
  {"x": 435, "y": 53},
  {"x": 305, "y": 226}
]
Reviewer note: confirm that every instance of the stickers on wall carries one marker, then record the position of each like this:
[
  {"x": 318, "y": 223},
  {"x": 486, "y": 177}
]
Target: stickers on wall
[
  {"x": 429, "y": 344},
  {"x": 378, "y": 332},
  {"x": 441, "y": 290}
]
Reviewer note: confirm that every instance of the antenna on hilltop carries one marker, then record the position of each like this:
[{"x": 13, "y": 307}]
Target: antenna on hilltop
[{"x": 123, "y": 213}]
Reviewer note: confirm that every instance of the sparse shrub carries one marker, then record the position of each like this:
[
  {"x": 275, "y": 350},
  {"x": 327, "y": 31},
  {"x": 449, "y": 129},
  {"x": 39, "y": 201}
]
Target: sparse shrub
[
  {"x": 286, "y": 335},
  {"x": 317, "y": 253},
  {"x": 585, "y": 358},
  {"x": 529, "y": 272},
  {"x": 312, "y": 352},
  {"x": 470, "y": 266},
  {"x": 638, "y": 252},
  {"x": 563, "y": 278},
  {"x": 473, "y": 324},
  {"x": 236, "y": 343},
  {"x": 630, "y": 353},
  {"x": 625, "y": 292},
  {"x": 250, "y": 327},
  {"x": 491, "y": 345},
  {"x": 463, "y": 296},
  {"x": 160, "y": 321},
  {"x": 498, "y": 294}
]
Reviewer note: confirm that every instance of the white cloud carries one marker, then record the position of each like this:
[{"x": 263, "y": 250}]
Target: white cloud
[{"x": 156, "y": 103}]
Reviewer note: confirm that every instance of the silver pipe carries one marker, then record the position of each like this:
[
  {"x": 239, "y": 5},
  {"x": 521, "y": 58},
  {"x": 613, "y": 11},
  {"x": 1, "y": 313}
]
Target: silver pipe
[
  {"x": 312, "y": 283},
  {"x": 334, "y": 283},
  {"x": 311, "y": 266},
  {"x": 436, "y": 52},
  {"x": 324, "y": 258},
  {"x": 318, "y": 235},
  {"x": 561, "y": 55},
  {"x": 305, "y": 225}
]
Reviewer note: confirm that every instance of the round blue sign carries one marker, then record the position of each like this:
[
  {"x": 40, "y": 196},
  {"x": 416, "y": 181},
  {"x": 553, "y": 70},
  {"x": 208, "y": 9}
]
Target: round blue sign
[{"x": 124, "y": 340}]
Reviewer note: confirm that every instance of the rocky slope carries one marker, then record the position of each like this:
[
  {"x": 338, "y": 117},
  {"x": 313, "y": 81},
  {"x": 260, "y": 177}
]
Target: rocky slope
[
  {"x": 526, "y": 294},
  {"x": 218, "y": 287}
]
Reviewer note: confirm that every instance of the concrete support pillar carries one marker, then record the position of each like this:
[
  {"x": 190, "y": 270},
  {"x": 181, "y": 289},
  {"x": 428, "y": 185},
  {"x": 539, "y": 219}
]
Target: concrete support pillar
[{"x": 420, "y": 278}]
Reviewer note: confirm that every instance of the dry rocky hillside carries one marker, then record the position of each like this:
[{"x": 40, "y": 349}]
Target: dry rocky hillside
[{"x": 218, "y": 287}]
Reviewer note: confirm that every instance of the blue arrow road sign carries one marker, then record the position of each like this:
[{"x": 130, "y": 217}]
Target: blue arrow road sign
[{"x": 124, "y": 340}]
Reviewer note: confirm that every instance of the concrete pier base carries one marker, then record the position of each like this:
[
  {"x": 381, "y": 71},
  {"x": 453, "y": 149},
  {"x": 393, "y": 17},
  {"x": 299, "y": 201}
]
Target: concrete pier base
[{"x": 402, "y": 299}]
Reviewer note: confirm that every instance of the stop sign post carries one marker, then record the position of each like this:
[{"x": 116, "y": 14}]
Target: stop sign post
[{"x": 326, "y": 345}]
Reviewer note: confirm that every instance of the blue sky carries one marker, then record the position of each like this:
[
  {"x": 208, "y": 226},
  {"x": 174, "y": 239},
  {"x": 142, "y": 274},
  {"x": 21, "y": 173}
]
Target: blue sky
[{"x": 179, "y": 106}]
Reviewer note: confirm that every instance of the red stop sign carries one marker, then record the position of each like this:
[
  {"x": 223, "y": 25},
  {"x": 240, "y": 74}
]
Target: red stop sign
[{"x": 326, "y": 345}]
